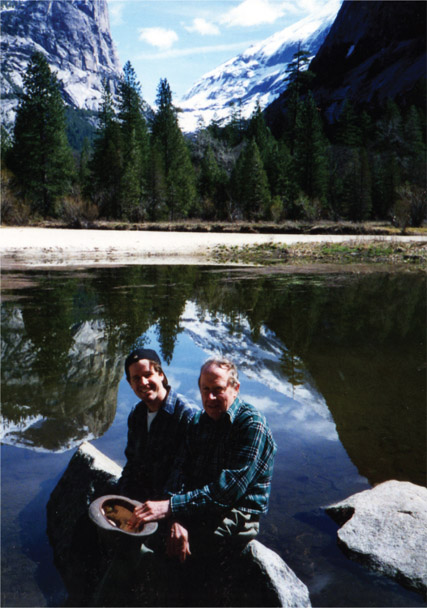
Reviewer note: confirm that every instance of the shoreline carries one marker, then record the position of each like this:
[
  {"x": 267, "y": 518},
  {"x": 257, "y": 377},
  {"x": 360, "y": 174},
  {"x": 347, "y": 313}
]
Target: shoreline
[{"x": 32, "y": 247}]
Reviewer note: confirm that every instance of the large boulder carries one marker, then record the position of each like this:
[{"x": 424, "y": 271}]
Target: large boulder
[
  {"x": 262, "y": 577},
  {"x": 73, "y": 537},
  {"x": 385, "y": 528}
]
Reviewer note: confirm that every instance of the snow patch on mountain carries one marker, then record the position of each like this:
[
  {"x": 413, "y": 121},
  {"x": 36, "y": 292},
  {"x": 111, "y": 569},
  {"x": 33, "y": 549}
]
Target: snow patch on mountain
[{"x": 257, "y": 76}]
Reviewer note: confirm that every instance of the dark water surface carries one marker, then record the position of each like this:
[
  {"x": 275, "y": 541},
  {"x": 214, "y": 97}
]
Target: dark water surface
[{"x": 335, "y": 361}]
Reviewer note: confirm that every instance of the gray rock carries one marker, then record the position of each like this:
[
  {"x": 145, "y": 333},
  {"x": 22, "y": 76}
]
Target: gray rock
[
  {"x": 385, "y": 528},
  {"x": 267, "y": 571},
  {"x": 261, "y": 578},
  {"x": 73, "y": 537}
]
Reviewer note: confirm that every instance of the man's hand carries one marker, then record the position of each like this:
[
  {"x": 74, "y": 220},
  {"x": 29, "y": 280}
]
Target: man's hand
[
  {"x": 177, "y": 544},
  {"x": 151, "y": 510}
]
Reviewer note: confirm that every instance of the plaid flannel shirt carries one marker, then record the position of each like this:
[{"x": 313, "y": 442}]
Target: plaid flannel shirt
[
  {"x": 227, "y": 463},
  {"x": 151, "y": 454}
]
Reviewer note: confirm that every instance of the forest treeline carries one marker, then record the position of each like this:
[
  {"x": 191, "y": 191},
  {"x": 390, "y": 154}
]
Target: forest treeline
[{"x": 140, "y": 167}]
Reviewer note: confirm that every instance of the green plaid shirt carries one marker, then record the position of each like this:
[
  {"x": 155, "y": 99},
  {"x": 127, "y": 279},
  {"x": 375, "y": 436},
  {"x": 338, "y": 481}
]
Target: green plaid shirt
[{"x": 228, "y": 463}]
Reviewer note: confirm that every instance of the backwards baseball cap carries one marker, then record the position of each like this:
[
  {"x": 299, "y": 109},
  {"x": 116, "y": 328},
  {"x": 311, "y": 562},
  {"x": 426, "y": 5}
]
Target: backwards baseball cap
[{"x": 141, "y": 353}]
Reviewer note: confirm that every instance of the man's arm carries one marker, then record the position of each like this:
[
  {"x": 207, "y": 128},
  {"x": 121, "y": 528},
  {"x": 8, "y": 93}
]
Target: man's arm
[
  {"x": 248, "y": 467},
  {"x": 246, "y": 475},
  {"x": 127, "y": 479}
]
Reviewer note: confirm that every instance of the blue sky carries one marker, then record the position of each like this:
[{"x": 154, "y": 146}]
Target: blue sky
[{"x": 183, "y": 39}]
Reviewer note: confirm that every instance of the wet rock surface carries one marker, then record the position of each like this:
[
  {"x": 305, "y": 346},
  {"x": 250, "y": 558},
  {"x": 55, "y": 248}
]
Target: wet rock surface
[
  {"x": 385, "y": 528},
  {"x": 256, "y": 577}
]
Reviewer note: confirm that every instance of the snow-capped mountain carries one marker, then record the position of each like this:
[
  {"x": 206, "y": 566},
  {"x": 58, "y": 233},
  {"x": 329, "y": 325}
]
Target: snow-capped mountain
[
  {"x": 75, "y": 37},
  {"x": 257, "y": 75}
]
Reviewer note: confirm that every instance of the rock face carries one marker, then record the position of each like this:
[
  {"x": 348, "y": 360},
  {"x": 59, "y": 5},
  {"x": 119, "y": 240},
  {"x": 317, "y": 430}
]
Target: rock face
[
  {"x": 264, "y": 577},
  {"x": 75, "y": 37},
  {"x": 375, "y": 50},
  {"x": 386, "y": 529},
  {"x": 378, "y": 50}
]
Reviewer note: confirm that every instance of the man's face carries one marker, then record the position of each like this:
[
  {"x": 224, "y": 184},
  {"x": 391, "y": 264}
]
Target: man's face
[
  {"x": 147, "y": 384},
  {"x": 217, "y": 394}
]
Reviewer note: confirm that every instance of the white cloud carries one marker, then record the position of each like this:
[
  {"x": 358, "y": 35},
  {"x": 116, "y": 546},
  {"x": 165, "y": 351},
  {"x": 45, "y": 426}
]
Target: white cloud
[
  {"x": 115, "y": 10},
  {"x": 197, "y": 50},
  {"x": 253, "y": 12},
  {"x": 158, "y": 37},
  {"x": 203, "y": 27}
]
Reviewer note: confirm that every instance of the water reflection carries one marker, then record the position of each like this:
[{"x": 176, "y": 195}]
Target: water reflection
[
  {"x": 262, "y": 362},
  {"x": 334, "y": 362},
  {"x": 53, "y": 400},
  {"x": 345, "y": 353}
]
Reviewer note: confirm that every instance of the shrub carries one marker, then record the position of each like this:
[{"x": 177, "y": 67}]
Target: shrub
[
  {"x": 310, "y": 209},
  {"x": 14, "y": 211},
  {"x": 276, "y": 209},
  {"x": 411, "y": 206},
  {"x": 75, "y": 211}
]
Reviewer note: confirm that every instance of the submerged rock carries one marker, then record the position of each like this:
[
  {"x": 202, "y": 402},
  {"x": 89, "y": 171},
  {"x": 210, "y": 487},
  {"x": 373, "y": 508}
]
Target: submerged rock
[
  {"x": 260, "y": 576},
  {"x": 385, "y": 528}
]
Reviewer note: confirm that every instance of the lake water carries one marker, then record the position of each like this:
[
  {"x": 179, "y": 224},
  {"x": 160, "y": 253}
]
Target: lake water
[{"x": 335, "y": 361}]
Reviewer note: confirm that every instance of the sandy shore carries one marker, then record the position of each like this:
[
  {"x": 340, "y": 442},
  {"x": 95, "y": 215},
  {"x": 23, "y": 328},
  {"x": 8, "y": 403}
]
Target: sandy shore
[{"x": 28, "y": 246}]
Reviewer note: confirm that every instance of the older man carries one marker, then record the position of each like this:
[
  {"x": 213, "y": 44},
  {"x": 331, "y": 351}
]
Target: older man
[{"x": 226, "y": 474}]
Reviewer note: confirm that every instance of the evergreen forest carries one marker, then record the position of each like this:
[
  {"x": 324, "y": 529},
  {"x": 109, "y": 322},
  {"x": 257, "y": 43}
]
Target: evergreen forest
[{"x": 136, "y": 165}]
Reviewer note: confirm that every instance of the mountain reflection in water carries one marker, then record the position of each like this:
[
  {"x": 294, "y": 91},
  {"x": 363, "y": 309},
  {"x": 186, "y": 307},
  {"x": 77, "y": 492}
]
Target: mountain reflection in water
[{"x": 335, "y": 362}]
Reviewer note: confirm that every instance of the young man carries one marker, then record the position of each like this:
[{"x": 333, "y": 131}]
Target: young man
[
  {"x": 156, "y": 427},
  {"x": 225, "y": 480}
]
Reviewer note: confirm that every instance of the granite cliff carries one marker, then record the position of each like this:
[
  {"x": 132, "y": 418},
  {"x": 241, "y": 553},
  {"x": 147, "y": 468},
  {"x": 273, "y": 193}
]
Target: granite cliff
[
  {"x": 75, "y": 37},
  {"x": 374, "y": 51}
]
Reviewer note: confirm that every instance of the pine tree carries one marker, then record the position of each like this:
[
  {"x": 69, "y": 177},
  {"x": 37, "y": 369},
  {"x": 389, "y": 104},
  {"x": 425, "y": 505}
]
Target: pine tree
[
  {"x": 6, "y": 144},
  {"x": 233, "y": 131},
  {"x": 310, "y": 153},
  {"x": 414, "y": 161},
  {"x": 135, "y": 145},
  {"x": 157, "y": 188},
  {"x": 106, "y": 166},
  {"x": 211, "y": 182},
  {"x": 174, "y": 154},
  {"x": 258, "y": 130},
  {"x": 357, "y": 199},
  {"x": 255, "y": 197},
  {"x": 389, "y": 143},
  {"x": 380, "y": 203},
  {"x": 41, "y": 157},
  {"x": 84, "y": 164},
  {"x": 281, "y": 176},
  {"x": 348, "y": 130},
  {"x": 298, "y": 79}
]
